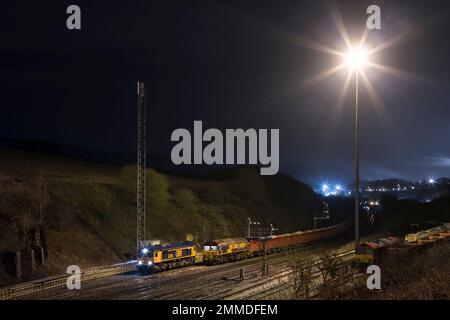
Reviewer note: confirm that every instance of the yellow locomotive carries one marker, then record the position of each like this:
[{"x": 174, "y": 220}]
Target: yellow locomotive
[
  {"x": 156, "y": 257},
  {"x": 225, "y": 250}
]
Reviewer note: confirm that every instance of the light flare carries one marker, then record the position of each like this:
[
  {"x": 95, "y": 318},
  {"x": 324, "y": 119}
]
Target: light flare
[{"x": 357, "y": 58}]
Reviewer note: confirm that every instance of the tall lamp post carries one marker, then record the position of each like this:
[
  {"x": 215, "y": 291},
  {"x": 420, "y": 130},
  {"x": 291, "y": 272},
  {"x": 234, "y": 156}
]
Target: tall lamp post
[{"x": 356, "y": 59}]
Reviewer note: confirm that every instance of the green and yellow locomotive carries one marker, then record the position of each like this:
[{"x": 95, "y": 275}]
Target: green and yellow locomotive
[{"x": 155, "y": 257}]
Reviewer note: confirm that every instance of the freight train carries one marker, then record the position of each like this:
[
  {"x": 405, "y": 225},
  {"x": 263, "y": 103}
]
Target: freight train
[
  {"x": 225, "y": 250},
  {"x": 156, "y": 257},
  {"x": 374, "y": 251}
]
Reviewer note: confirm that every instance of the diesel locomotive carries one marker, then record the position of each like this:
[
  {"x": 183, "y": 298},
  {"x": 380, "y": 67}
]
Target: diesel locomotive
[
  {"x": 154, "y": 257},
  {"x": 221, "y": 251},
  {"x": 157, "y": 257},
  {"x": 225, "y": 250},
  {"x": 371, "y": 252},
  {"x": 374, "y": 251}
]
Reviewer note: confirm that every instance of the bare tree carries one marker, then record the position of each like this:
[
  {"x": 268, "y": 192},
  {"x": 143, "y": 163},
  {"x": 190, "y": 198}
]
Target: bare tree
[
  {"x": 301, "y": 276},
  {"x": 43, "y": 197},
  {"x": 333, "y": 273},
  {"x": 330, "y": 266},
  {"x": 24, "y": 203}
]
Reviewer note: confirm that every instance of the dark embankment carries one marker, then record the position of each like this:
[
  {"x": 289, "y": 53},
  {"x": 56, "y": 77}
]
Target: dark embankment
[{"x": 85, "y": 213}]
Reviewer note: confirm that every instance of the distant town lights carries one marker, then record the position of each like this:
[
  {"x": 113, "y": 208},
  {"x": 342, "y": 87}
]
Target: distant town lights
[{"x": 328, "y": 190}]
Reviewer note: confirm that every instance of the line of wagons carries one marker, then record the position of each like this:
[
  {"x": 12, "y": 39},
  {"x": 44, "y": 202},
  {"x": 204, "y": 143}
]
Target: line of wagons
[
  {"x": 154, "y": 257},
  {"x": 373, "y": 252}
]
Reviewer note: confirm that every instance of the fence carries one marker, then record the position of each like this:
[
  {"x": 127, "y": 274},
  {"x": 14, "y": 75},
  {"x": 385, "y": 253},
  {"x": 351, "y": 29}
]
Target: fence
[{"x": 40, "y": 286}]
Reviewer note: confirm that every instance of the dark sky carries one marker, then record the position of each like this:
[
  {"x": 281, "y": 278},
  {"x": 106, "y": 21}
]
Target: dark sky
[{"x": 231, "y": 64}]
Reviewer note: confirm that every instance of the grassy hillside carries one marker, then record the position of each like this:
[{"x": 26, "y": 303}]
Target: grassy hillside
[{"x": 89, "y": 210}]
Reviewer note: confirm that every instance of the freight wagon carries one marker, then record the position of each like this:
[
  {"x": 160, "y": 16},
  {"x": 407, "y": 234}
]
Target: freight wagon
[
  {"x": 220, "y": 251},
  {"x": 416, "y": 237},
  {"x": 291, "y": 240},
  {"x": 373, "y": 252},
  {"x": 431, "y": 235}
]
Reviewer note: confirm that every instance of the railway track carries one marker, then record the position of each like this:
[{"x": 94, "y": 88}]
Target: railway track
[
  {"x": 280, "y": 283},
  {"x": 192, "y": 284},
  {"x": 195, "y": 282},
  {"x": 265, "y": 286}
]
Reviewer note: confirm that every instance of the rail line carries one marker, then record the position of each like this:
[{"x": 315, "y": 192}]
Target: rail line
[
  {"x": 275, "y": 282},
  {"x": 195, "y": 282}
]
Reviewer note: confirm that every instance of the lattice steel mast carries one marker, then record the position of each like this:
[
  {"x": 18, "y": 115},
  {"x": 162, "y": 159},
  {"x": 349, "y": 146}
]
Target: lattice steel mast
[{"x": 141, "y": 162}]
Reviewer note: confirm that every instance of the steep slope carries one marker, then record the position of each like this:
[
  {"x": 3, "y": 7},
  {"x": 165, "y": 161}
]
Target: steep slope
[{"x": 88, "y": 210}]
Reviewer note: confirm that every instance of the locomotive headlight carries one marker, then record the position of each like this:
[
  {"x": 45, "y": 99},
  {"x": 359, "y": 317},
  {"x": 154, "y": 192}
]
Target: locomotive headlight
[
  {"x": 144, "y": 251},
  {"x": 140, "y": 262},
  {"x": 150, "y": 263}
]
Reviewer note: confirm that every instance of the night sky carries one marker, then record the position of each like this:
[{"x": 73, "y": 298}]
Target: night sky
[{"x": 231, "y": 64}]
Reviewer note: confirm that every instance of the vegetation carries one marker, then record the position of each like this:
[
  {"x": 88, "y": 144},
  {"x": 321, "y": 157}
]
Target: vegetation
[
  {"x": 424, "y": 276},
  {"x": 301, "y": 278},
  {"x": 88, "y": 211}
]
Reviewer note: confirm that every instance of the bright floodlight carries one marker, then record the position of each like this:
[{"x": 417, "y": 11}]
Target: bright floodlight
[
  {"x": 356, "y": 58},
  {"x": 431, "y": 181}
]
